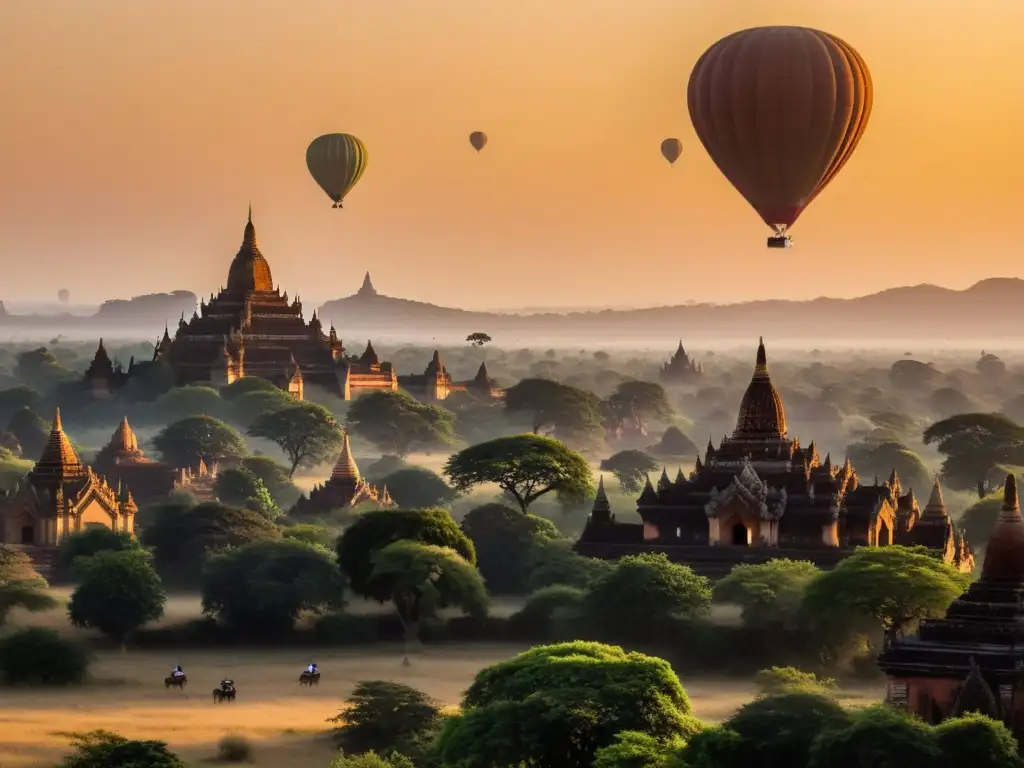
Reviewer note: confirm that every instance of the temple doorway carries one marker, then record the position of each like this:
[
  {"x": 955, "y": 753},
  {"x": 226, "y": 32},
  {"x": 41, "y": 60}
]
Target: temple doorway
[
  {"x": 739, "y": 535},
  {"x": 884, "y": 536},
  {"x": 28, "y": 534}
]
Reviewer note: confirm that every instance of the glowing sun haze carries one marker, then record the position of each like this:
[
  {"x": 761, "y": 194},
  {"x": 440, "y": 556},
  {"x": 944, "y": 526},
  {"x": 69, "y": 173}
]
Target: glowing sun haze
[{"x": 134, "y": 134}]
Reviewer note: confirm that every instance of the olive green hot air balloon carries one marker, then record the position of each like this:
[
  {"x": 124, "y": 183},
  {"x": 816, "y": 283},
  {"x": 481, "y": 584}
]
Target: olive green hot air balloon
[
  {"x": 478, "y": 139},
  {"x": 336, "y": 161},
  {"x": 671, "y": 149}
]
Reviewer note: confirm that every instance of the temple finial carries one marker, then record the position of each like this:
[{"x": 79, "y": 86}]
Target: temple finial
[{"x": 250, "y": 212}]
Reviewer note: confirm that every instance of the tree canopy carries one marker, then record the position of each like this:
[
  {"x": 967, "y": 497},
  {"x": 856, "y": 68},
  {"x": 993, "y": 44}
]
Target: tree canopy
[
  {"x": 375, "y": 530},
  {"x": 770, "y": 593},
  {"x": 975, "y": 445},
  {"x": 571, "y": 413},
  {"x": 241, "y": 488},
  {"x": 524, "y": 466},
  {"x": 398, "y": 424},
  {"x": 117, "y": 592},
  {"x": 630, "y": 468},
  {"x": 186, "y": 442},
  {"x": 881, "y": 458},
  {"x": 418, "y": 487},
  {"x": 880, "y": 736},
  {"x": 637, "y": 401},
  {"x": 265, "y": 585},
  {"x": 21, "y": 586},
  {"x": 306, "y": 432},
  {"x": 506, "y": 542}
]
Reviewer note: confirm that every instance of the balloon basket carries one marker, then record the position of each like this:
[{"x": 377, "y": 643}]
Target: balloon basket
[{"x": 780, "y": 241}]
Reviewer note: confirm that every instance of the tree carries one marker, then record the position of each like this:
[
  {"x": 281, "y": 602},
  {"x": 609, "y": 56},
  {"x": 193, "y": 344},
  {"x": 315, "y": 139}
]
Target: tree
[
  {"x": 990, "y": 366},
  {"x": 91, "y": 541},
  {"x": 947, "y": 401},
  {"x": 384, "y": 466},
  {"x": 418, "y": 487},
  {"x": 478, "y": 339},
  {"x": 381, "y": 715},
  {"x": 632, "y": 749},
  {"x": 506, "y": 542},
  {"x": 571, "y": 413},
  {"x": 241, "y": 488},
  {"x": 307, "y": 433},
  {"x": 555, "y": 562},
  {"x": 181, "y": 537},
  {"x": 309, "y": 533},
  {"x": 880, "y": 736},
  {"x": 895, "y": 586},
  {"x": 974, "y": 445},
  {"x": 780, "y": 730},
  {"x": 637, "y": 401},
  {"x": 372, "y": 760},
  {"x": 117, "y": 593},
  {"x": 421, "y": 578},
  {"x": 21, "y": 586},
  {"x": 398, "y": 424},
  {"x": 14, "y": 399},
  {"x": 555, "y": 706},
  {"x": 630, "y": 469},
  {"x": 977, "y": 741},
  {"x": 103, "y": 749},
  {"x": 524, "y": 466},
  {"x": 247, "y": 408},
  {"x": 643, "y": 593},
  {"x": 37, "y": 656},
  {"x": 881, "y": 458},
  {"x": 182, "y": 402},
  {"x": 778, "y": 680},
  {"x": 275, "y": 479},
  {"x": 980, "y": 518},
  {"x": 375, "y": 530},
  {"x": 40, "y": 370},
  {"x": 912, "y": 374},
  {"x": 265, "y": 585},
  {"x": 713, "y": 747},
  {"x": 199, "y": 438},
  {"x": 248, "y": 385},
  {"x": 30, "y": 431},
  {"x": 770, "y": 594}
]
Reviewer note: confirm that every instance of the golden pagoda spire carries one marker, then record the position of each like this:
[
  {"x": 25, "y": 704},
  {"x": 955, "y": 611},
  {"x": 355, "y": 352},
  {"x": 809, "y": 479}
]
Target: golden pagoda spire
[
  {"x": 345, "y": 468},
  {"x": 936, "y": 506},
  {"x": 58, "y": 459}
]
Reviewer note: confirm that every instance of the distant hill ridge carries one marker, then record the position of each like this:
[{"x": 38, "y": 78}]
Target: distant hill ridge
[{"x": 990, "y": 308}]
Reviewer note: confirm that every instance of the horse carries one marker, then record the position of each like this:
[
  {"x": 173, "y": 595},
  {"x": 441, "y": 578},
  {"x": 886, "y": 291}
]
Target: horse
[
  {"x": 175, "y": 681},
  {"x": 220, "y": 695},
  {"x": 309, "y": 678}
]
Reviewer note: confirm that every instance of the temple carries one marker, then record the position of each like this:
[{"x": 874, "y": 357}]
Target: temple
[
  {"x": 250, "y": 328},
  {"x": 62, "y": 496},
  {"x": 761, "y": 495},
  {"x": 435, "y": 383},
  {"x": 345, "y": 489},
  {"x": 681, "y": 369},
  {"x": 104, "y": 376},
  {"x": 972, "y": 659}
]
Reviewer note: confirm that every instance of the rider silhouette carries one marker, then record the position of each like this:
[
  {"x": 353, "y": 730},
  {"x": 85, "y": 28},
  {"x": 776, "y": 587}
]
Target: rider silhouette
[
  {"x": 312, "y": 669},
  {"x": 177, "y": 672},
  {"x": 227, "y": 685}
]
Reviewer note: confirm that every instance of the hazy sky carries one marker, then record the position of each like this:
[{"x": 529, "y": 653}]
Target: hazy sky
[{"x": 133, "y": 134}]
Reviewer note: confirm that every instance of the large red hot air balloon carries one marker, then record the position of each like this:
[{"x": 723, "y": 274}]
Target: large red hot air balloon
[{"x": 780, "y": 110}]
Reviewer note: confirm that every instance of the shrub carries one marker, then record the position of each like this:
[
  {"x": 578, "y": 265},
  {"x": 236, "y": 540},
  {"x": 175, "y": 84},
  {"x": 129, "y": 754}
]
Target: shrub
[
  {"x": 383, "y": 715},
  {"x": 549, "y": 603},
  {"x": 37, "y": 656},
  {"x": 103, "y": 749},
  {"x": 234, "y": 748},
  {"x": 776, "y": 680}
]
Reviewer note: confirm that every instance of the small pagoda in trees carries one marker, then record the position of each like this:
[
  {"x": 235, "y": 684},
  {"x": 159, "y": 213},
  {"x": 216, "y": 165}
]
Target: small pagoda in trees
[{"x": 681, "y": 369}]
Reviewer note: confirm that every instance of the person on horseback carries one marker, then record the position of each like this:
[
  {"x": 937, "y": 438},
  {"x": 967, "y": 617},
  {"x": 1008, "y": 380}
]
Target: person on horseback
[
  {"x": 177, "y": 672},
  {"x": 227, "y": 685},
  {"x": 312, "y": 669}
]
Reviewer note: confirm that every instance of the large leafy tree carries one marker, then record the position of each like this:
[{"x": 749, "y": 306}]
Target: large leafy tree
[
  {"x": 569, "y": 412},
  {"x": 524, "y": 466},
  {"x": 642, "y": 593},
  {"x": 637, "y": 401},
  {"x": 21, "y": 586},
  {"x": 555, "y": 562},
  {"x": 117, "y": 593},
  {"x": 771, "y": 593},
  {"x": 307, "y": 433},
  {"x": 976, "y": 445},
  {"x": 398, "y": 424},
  {"x": 373, "y": 531},
  {"x": 181, "y": 537},
  {"x": 506, "y": 543},
  {"x": 894, "y": 586},
  {"x": 414, "y": 487},
  {"x": 31, "y": 432},
  {"x": 881, "y": 458},
  {"x": 91, "y": 541},
  {"x": 184, "y": 443},
  {"x": 264, "y": 586},
  {"x": 241, "y": 488},
  {"x": 381, "y": 715},
  {"x": 421, "y": 578},
  {"x": 182, "y": 402},
  {"x": 880, "y": 736},
  {"x": 555, "y": 706},
  {"x": 630, "y": 468}
]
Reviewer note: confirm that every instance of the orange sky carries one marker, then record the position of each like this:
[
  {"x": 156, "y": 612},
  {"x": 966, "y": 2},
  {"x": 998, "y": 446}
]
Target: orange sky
[{"x": 133, "y": 135}]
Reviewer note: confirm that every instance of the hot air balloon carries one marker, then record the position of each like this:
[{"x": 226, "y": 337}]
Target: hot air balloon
[
  {"x": 478, "y": 139},
  {"x": 336, "y": 161},
  {"x": 780, "y": 110},
  {"x": 671, "y": 149}
]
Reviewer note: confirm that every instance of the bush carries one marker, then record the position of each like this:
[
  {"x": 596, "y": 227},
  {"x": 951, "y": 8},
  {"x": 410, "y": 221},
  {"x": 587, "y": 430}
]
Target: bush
[
  {"x": 234, "y": 748},
  {"x": 506, "y": 542},
  {"x": 382, "y": 715},
  {"x": 776, "y": 680},
  {"x": 103, "y": 749},
  {"x": 90, "y": 541},
  {"x": 37, "y": 656},
  {"x": 549, "y": 603}
]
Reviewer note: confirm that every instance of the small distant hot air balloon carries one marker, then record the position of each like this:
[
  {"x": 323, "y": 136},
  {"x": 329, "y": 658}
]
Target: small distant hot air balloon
[
  {"x": 336, "y": 161},
  {"x": 671, "y": 149},
  {"x": 478, "y": 139},
  {"x": 780, "y": 110},
  {"x": 63, "y": 295}
]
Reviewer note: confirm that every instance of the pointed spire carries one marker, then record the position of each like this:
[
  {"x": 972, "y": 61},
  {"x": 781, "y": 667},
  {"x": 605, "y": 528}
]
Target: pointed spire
[
  {"x": 1011, "y": 504},
  {"x": 602, "y": 509},
  {"x": 698, "y": 467},
  {"x": 58, "y": 460},
  {"x": 345, "y": 467},
  {"x": 663, "y": 481},
  {"x": 680, "y": 477},
  {"x": 894, "y": 478},
  {"x": 367, "y": 289},
  {"x": 936, "y": 506},
  {"x": 58, "y": 425},
  {"x": 250, "y": 212},
  {"x": 370, "y": 355},
  {"x": 761, "y": 364},
  {"x": 124, "y": 440},
  {"x": 648, "y": 493}
]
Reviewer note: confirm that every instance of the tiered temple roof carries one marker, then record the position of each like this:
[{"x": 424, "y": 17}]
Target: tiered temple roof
[
  {"x": 344, "y": 489},
  {"x": 435, "y": 383},
  {"x": 681, "y": 369},
  {"x": 122, "y": 460}
]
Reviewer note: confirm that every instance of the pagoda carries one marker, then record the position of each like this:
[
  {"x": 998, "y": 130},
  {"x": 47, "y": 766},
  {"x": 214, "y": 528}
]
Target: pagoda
[
  {"x": 435, "y": 383},
  {"x": 761, "y": 495},
  {"x": 343, "y": 490},
  {"x": 681, "y": 368},
  {"x": 250, "y": 328},
  {"x": 123, "y": 461},
  {"x": 970, "y": 660}
]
